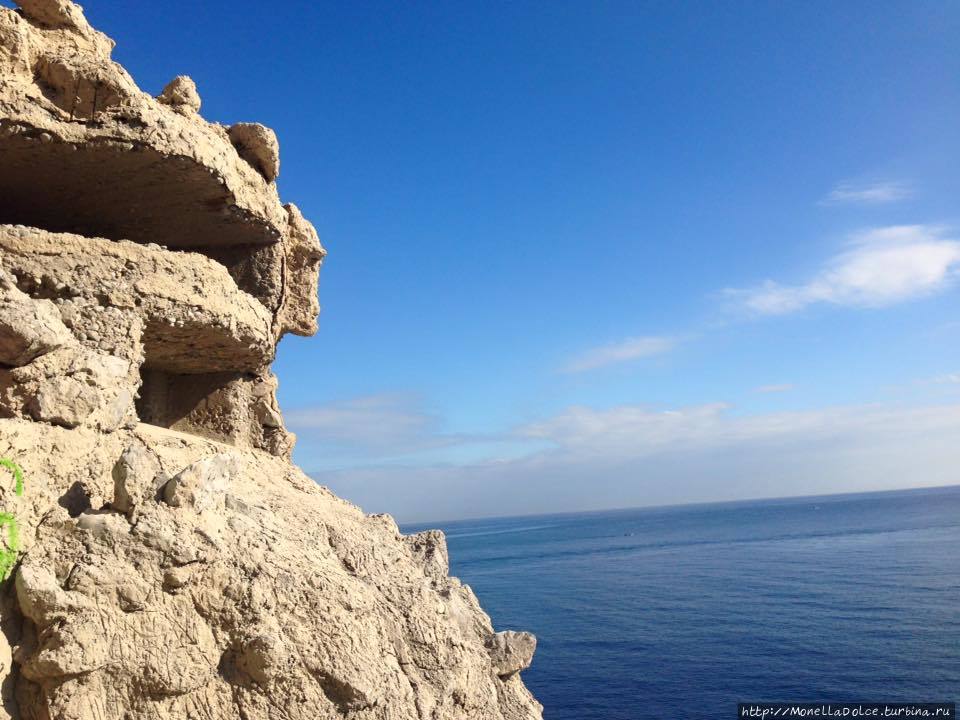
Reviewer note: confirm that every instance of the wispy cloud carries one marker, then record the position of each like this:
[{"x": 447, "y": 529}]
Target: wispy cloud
[
  {"x": 630, "y": 349},
  {"x": 631, "y": 455},
  {"x": 881, "y": 266},
  {"x": 389, "y": 429},
  {"x": 782, "y": 387},
  {"x": 375, "y": 425},
  {"x": 632, "y": 429},
  {"x": 948, "y": 379},
  {"x": 878, "y": 193}
]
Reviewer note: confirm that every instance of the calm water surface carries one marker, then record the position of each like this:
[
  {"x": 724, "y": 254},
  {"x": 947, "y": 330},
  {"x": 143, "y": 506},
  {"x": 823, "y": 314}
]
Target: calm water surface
[{"x": 682, "y": 612}]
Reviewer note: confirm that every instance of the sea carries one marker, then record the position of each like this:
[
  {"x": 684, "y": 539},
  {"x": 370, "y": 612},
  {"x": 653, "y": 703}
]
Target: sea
[{"x": 682, "y": 612}]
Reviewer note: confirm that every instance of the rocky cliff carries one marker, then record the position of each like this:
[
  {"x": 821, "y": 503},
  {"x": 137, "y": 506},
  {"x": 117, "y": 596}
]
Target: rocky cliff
[{"x": 160, "y": 555}]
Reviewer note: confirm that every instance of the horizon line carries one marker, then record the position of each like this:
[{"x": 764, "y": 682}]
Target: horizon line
[{"x": 665, "y": 506}]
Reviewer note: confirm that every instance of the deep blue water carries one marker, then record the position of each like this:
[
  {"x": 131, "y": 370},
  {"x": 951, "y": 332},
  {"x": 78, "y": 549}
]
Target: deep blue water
[{"x": 681, "y": 612}]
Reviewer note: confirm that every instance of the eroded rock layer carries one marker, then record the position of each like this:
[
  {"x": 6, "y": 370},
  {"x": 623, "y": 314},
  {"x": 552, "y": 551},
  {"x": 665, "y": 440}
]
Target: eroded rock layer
[
  {"x": 174, "y": 577},
  {"x": 159, "y": 555}
]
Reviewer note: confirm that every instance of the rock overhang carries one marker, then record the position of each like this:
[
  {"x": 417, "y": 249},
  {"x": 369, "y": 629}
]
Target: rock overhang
[
  {"x": 159, "y": 236},
  {"x": 86, "y": 151},
  {"x": 193, "y": 316},
  {"x": 119, "y": 188}
]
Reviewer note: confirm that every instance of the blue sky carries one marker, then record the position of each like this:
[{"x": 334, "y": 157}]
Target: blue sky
[{"x": 603, "y": 254}]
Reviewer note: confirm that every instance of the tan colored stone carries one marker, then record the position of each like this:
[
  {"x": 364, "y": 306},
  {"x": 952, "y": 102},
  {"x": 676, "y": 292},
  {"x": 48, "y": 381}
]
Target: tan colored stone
[
  {"x": 257, "y": 144},
  {"x": 181, "y": 94},
  {"x": 429, "y": 548},
  {"x": 194, "y": 317},
  {"x": 302, "y": 607},
  {"x": 174, "y": 564},
  {"x": 54, "y": 13},
  {"x": 170, "y": 175},
  {"x": 202, "y": 485},
  {"x": 71, "y": 386},
  {"x": 511, "y": 651},
  {"x": 137, "y": 478},
  {"x": 299, "y": 305},
  {"x": 28, "y": 328}
]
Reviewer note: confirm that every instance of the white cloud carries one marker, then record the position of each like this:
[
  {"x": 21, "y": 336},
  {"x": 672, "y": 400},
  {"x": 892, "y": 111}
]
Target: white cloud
[
  {"x": 782, "y": 387},
  {"x": 377, "y": 425},
  {"x": 948, "y": 379},
  {"x": 630, "y": 455},
  {"x": 880, "y": 267},
  {"x": 880, "y": 193},
  {"x": 630, "y": 349},
  {"x": 633, "y": 431},
  {"x": 631, "y": 428}
]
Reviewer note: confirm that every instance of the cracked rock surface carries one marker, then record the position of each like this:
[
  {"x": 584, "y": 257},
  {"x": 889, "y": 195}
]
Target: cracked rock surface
[{"x": 196, "y": 580}]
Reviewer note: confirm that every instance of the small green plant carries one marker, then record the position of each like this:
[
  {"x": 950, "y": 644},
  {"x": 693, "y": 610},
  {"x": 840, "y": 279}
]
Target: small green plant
[{"x": 10, "y": 547}]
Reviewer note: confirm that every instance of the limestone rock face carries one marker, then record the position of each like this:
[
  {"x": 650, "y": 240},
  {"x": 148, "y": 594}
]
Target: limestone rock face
[
  {"x": 197, "y": 580},
  {"x": 164, "y": 559},
  {"x": 511, "y": 651}
]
